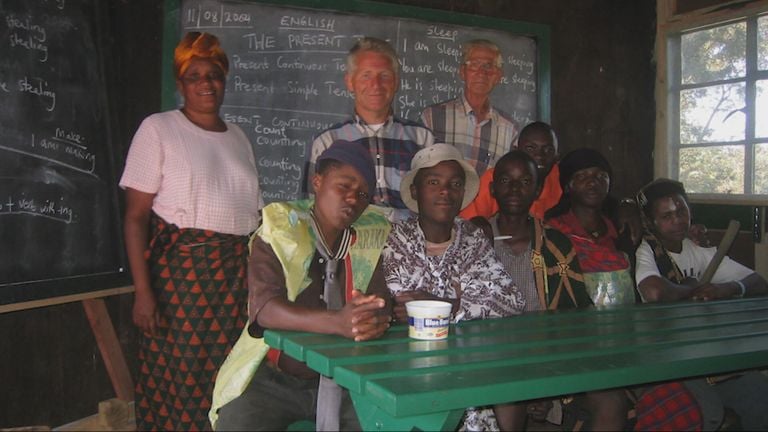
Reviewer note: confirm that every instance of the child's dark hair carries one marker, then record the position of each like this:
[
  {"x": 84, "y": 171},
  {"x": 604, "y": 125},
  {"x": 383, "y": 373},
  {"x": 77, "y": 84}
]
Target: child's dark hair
[
  {"x": 659, "y": 188},
  {"x": 539, "y": 126},
  {"x": 521, "y": 156},
  {"x": 572, "y": 162}
]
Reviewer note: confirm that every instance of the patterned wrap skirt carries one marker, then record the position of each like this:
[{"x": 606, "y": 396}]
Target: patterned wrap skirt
[{"x": 198, "y": 278}]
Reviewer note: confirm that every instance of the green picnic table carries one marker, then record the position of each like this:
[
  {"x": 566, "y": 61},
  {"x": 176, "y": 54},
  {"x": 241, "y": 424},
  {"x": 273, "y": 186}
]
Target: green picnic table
[{"x": 398, "y": 383}]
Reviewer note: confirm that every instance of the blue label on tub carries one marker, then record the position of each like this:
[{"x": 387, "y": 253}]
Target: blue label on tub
[{"x": 427, "y": 323}]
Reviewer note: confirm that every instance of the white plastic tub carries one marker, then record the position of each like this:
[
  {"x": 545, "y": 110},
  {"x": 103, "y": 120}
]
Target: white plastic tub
[{"x": 428, "y": 319}]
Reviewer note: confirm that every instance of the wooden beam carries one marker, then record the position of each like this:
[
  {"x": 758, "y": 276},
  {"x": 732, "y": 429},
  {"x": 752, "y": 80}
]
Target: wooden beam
[
  {"x": 111, "y": 353},
  {"x": 65, "y": 299},
  {"x": 113, "y": 415},
  {"x": 661, "y": 165},
  {"x": 709, "y": 15}
]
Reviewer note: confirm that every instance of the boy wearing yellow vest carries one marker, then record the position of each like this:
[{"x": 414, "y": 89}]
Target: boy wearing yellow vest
[{"x": 314, "y": 266}]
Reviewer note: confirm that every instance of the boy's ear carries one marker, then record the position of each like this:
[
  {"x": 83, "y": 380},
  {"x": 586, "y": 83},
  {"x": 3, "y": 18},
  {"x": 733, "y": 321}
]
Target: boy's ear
[{"x": 317, "y": 179}]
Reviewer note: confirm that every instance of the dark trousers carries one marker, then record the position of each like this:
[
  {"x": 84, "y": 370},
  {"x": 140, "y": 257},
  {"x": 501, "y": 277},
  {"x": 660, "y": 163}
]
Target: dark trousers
[{"x": 274, "y": 400}]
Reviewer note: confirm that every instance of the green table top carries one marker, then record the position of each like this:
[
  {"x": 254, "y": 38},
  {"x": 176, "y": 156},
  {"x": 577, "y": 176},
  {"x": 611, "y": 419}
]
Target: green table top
[{"x": 538, "y": 355}]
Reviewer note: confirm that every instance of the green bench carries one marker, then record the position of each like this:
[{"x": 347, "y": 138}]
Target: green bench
[{"x": 399, "y": 383}]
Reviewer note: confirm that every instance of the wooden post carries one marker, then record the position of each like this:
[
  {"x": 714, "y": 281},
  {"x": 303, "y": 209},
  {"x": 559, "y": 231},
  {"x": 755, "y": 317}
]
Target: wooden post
[{"x": 109, "y": 346}]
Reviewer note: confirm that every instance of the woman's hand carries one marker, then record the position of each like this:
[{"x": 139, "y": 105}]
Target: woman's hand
[
  {"x": 145, "y": 314},
  {"x": 138, "y": 206}
]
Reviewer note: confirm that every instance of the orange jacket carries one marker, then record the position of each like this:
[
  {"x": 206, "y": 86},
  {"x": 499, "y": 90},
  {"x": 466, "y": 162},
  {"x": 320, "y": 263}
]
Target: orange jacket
[{"x": 485, "y": 205}]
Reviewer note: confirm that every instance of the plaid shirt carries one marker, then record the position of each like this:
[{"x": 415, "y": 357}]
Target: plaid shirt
[
  {"x": 392, "y": 147},
  {"x": 482, "y": 144}
]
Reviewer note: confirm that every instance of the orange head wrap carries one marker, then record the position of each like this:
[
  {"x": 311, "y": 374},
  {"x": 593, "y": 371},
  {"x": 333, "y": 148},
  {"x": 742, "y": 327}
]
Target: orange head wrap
[{"x": 201, "y": 45}]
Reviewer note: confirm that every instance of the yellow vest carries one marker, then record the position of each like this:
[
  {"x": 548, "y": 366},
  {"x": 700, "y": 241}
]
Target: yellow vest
[{"x": 287, "y": 229}]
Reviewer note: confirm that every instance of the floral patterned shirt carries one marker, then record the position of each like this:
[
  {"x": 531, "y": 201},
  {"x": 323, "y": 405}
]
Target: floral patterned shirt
[{"x": 468, "y": 270}]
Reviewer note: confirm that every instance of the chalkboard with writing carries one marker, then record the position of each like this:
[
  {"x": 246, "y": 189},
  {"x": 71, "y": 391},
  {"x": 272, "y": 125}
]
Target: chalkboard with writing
[
  {"x": 287, "y": 64},
  {"x": 59, "y": 226}
]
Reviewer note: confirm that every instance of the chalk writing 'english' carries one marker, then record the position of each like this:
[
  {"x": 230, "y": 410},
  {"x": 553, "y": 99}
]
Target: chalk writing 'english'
[{"x": 307, "y": 23}]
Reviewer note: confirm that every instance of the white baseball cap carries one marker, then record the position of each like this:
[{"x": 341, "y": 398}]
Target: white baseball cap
[{"x": 431, "y": 156}]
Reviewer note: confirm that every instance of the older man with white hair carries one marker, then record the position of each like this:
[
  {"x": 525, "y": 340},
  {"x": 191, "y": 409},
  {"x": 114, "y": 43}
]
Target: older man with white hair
[{"x": 480, "y": 131}]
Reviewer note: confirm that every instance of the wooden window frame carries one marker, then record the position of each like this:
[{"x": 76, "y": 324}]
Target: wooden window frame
[{"x": 670, "y": 23}]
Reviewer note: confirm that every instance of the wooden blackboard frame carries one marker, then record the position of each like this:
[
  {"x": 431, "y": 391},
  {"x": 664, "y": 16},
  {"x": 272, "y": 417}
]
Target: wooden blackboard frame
[
  {"x": 31, "y": 293},
  {"x": 539, "y": 32}
]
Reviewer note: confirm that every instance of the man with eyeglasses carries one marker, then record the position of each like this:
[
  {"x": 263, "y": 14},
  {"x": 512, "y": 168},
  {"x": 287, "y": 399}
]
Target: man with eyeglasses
[{"x": 481, "y": 132}]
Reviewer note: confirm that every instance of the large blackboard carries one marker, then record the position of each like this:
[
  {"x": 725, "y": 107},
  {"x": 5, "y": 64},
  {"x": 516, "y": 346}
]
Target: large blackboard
[
  {"x": 59, "y": 224},
  {"x": 287, "y": 63}
]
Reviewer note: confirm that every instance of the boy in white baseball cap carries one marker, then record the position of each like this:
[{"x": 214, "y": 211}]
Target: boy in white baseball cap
[{"x": 435, "y": 255}]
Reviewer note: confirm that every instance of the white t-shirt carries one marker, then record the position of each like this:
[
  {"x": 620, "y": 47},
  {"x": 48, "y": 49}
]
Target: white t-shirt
[
  {"x": 692, "y": 261},
  {"x": 202, "y": 179}
]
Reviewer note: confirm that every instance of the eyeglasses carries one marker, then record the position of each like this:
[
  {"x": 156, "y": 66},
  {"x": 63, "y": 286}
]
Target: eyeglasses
[
  {"x": 196, "y": 78},
  {"x": 475, "y": 66}
]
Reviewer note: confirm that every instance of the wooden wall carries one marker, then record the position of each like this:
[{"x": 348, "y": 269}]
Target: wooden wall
[{"x": 602, "y": 97}]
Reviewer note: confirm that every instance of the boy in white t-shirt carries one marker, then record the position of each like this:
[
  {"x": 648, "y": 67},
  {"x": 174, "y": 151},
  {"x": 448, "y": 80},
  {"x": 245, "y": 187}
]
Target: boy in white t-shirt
[{"x": 669, "y": 265}]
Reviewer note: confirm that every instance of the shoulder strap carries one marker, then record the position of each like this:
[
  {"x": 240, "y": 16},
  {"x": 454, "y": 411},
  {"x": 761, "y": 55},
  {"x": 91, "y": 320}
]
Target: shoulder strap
[
  {"x": 666, "y": 265},
  {"x": 563, "y": 271},
  {"x": 538, "y": 264}
]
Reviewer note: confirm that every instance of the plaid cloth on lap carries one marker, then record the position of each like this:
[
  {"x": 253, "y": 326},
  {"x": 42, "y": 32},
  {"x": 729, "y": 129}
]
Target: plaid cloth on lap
[{"x": 668, "y": 407}]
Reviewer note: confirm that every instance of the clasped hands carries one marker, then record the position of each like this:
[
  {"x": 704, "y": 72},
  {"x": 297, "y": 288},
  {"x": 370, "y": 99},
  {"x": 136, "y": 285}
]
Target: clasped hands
[{"x": 364, "y": 317}]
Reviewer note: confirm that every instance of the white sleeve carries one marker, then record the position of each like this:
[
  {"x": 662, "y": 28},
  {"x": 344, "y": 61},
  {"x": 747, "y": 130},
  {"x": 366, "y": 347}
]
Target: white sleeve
[
  {"x": 729, "y": 271},
  {"x": 645, "y": 263},
  {"x": 144, "y": 165}
]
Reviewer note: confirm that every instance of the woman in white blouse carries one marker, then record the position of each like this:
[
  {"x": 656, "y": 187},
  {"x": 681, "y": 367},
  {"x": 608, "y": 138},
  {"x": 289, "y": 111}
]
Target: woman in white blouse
[{"x": 192, "y": 197}]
